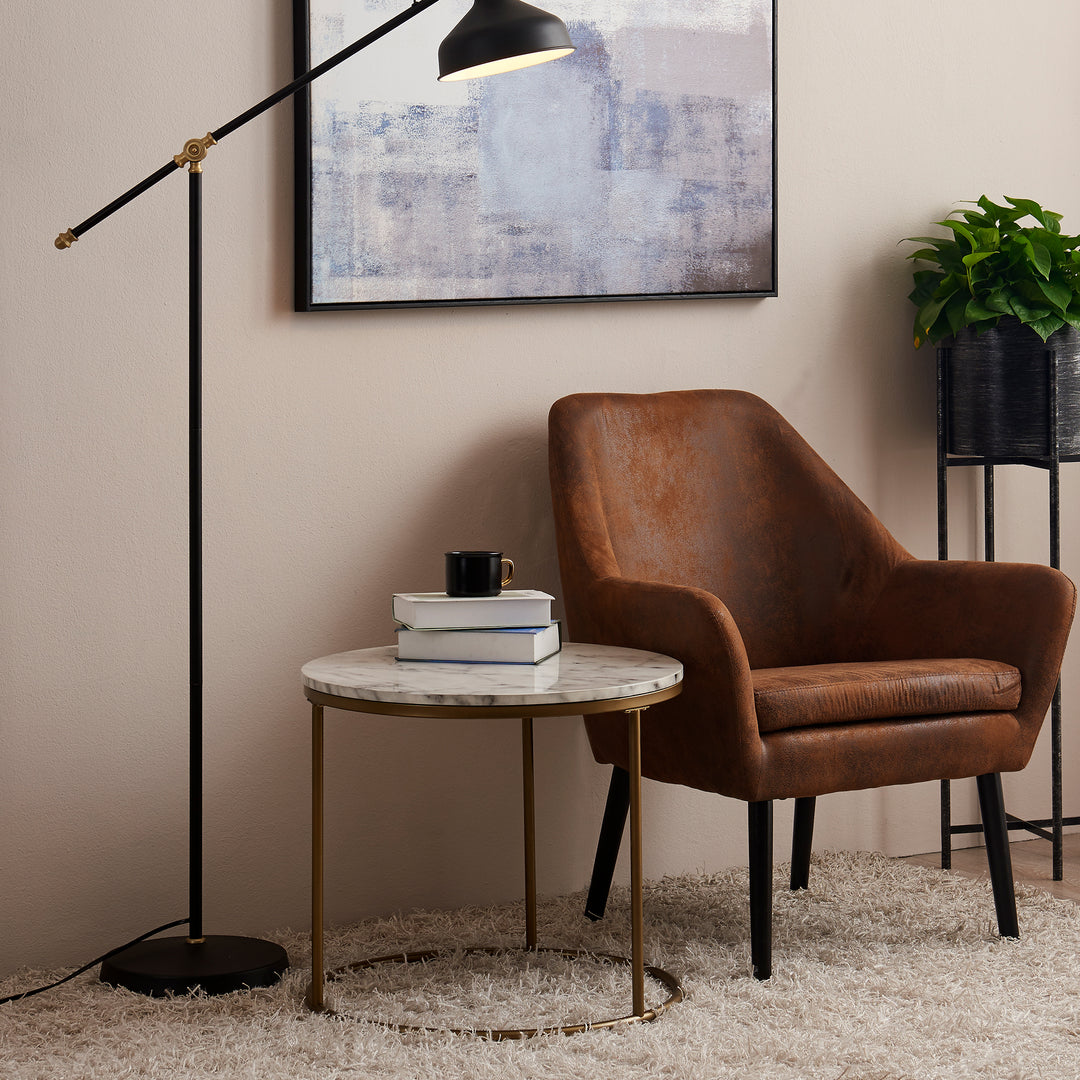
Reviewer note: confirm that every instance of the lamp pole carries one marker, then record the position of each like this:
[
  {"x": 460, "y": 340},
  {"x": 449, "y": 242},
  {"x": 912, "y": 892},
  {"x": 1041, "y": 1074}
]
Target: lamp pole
[{"x": 496, "y": 35}]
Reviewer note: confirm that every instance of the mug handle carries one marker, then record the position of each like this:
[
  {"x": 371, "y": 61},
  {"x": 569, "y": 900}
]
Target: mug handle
[{"x": 509, "y": 574}]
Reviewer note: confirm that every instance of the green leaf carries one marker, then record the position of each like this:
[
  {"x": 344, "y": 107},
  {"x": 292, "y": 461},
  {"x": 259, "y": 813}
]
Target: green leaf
[
  {"x": 976, "y": 257},
  {"x": 1052, "y": 242},
  {"x": 952, "y": 262},
  {"x": 918, "y": 334},
  {"x": 1048, "y": 219},
  {"x": 960, "y": 230},
  {"x": 979, "y": 221},
  {"x": 1018, "y": 247},
  {"x": 925, "y": 254},
  {"x": 955, "y": 309},
  {"x": 1023, "y": 253},
  {"x": 1025, "y": 314},
  {"x": 1029, "y": 207},
  {"x": 1040, "y": 257},
  {"x": 992, "y": 208},
  {"x": 1059, "y": 295},
  {"x": 949, "y": 287},
  {"x": 921, "y": 335},
  {"x": 1029, "y": 292},
  {"x": 975, "y": 311},
  {"x": 925, "y": 318},
  {"x": 1044, "y": 327},
  {"x": 998, "y": 301},
  {"x": 929, "y": 312},
  {"x": 926, "y": 283}
]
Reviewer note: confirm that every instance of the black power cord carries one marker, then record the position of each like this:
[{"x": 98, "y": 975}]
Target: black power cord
[{"x": 87, "y": 967}]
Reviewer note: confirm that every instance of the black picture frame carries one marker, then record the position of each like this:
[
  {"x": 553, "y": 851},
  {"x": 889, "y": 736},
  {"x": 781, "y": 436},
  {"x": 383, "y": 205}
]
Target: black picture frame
[{"x": 382, "y": 220}]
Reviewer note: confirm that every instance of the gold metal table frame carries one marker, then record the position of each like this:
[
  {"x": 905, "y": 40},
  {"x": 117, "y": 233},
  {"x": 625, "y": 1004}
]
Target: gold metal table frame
[{"x": 632, "y": 706}]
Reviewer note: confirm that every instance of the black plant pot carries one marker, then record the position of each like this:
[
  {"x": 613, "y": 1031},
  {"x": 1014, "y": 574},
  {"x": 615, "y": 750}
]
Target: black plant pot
[{"x": 999, "y": 392}]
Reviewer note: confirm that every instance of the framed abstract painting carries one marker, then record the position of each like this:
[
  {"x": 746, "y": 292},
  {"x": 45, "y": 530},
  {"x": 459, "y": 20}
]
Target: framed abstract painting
[{"x": 642, "y": 166}]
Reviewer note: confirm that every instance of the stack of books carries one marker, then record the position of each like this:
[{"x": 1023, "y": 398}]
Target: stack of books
[{"x": 514, "y": 627}]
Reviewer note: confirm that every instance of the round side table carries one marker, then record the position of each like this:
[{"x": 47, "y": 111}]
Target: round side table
[{"x": 578, "y": 680}]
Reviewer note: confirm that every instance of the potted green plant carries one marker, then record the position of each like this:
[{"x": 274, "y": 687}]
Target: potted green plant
[{"x": 1001, "y": 291}]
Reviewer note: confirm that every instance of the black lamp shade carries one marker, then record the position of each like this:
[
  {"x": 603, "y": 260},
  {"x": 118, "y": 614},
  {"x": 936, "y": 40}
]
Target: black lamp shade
[{"x": 501, "y": 35}]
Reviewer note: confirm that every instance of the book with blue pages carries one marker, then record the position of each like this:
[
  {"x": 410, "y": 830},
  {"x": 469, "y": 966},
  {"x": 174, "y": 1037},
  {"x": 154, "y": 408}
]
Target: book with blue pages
[
  {"x": 437, "y": 611},
  {"x": 507, "y": 645}
]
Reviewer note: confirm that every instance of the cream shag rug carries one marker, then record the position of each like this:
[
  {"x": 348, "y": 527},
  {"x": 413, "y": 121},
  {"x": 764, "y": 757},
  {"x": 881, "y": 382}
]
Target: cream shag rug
[{"x": 883, "y": 971}]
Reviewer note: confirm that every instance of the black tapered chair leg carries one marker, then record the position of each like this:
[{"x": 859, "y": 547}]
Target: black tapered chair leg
[
  {"x": 802, "y": 842},
  {"x": 760, "y": 819},
  {"x": 998, "y": 855},
  {"x": 607, "y": 847}
]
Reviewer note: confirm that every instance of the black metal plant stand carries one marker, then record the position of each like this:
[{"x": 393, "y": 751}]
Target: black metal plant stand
[{"x": 1047, "y": 828}]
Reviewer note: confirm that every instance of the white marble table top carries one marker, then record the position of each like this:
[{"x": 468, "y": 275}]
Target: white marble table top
[{"x": 579, "y": 673}]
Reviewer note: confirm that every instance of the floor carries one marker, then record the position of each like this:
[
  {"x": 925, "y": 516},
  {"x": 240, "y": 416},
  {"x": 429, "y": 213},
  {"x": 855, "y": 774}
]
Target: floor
[{"x": 1032, "y": 863}]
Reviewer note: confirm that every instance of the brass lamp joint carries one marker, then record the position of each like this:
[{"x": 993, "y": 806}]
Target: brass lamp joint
[
  {"x": 194, "y": 151},
  {"x": 65, "y": 240}
]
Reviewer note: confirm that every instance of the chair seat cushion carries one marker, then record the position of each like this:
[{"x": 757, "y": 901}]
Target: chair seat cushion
[{"x": 791, "y": 697}]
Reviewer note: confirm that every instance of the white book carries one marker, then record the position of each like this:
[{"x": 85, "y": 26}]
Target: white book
[
  {"x": 508, "y": 645},
  {"x": 437, "y": 611}
]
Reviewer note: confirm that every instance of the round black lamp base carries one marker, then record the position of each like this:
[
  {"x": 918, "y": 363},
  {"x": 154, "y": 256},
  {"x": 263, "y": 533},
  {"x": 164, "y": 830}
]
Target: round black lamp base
[{"x": 215, "y": 965}]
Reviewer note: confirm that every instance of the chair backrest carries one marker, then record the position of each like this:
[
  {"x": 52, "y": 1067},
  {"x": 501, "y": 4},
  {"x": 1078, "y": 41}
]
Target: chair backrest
[{"x": 714, "y": 489}]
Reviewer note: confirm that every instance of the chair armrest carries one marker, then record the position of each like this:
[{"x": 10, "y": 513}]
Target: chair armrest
[
  {"x": 688, "y": 623},
  {"x": 711, "y": 727},
  {"x": 1017, "y": 613}
]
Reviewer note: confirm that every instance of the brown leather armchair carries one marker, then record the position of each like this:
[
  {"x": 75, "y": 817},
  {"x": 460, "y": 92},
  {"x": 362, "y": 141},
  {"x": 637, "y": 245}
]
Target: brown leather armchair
[{"x": 819, "y": 655}]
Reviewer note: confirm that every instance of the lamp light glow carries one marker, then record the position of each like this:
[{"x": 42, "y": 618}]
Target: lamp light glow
[
  {"x": 501, "y": 35},
  {"x": 510, "y": 63}
]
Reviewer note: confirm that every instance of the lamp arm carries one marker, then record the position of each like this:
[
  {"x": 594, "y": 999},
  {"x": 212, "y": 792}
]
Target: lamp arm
[{"x": 195, "y": 149}]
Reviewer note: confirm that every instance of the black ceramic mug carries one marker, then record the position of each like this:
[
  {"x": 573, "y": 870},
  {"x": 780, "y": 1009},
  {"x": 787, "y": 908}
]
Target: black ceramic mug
[{"x": 477, "y": 573}]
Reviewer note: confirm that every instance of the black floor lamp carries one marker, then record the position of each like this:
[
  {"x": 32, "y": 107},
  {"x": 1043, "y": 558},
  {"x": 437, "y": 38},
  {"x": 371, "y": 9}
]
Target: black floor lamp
[{"x": 494, "y": 36}]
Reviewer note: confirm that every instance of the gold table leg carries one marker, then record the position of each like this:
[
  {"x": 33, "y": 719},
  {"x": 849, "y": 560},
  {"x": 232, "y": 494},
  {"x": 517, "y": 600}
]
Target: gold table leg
[
  {"x": 314, "y": 999},
  {"x": 528, "y": 789},
  {"x": 637, "y": 919}
]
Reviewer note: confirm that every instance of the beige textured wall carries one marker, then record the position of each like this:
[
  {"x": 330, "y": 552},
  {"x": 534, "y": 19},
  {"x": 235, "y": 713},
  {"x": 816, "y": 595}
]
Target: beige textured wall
[{"x": 345, "y": 452}]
